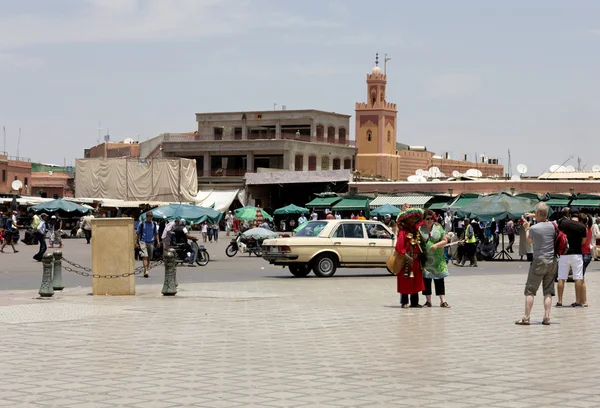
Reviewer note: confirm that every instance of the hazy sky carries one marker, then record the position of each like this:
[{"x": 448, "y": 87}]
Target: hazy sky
[{"x": 467, "y": 76}]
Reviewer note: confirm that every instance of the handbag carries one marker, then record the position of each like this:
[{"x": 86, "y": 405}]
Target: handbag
[{"x": 395, "y": 263}]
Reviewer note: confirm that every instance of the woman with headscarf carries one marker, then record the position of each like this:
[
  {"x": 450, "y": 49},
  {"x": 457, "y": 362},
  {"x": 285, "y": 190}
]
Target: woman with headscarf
[
  {"x": 433, "y": 240},
  {"x": 410, "y": 278}
]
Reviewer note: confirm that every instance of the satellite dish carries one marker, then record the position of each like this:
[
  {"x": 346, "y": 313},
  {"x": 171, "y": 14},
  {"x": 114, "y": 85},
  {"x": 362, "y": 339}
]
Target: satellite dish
[
  {"x": 522, "y": 169},
  {"x": 442, "y": 175},
  {"x": 479, "y": 173},
  {"x": 128, "y": 141},
  {"x": 413, "y": 179},
  {"x": 516, "y": 177},
  {"x": 554, "y": 168},
  {"x": 473, "y": 173},
  {"x": 419, "y": 172},
  {"x": 434, "y": 172},
  {"x": 561, "y": 169},
  {"x": 570, "y": 169},
  {"x": 456, "y": 174},
  {"x": 436, "y": 157},
  {"x": 495, "y": 176},
  {"x": 596, "y": 168},
  {"x": 421, "y": 179},
  {"x": 17, "y": 185}
]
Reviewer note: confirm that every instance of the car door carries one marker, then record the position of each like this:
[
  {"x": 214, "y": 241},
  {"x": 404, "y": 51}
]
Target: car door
[
  {"x": 380, "y": 243},
  {"x": 350, "y": 242}
]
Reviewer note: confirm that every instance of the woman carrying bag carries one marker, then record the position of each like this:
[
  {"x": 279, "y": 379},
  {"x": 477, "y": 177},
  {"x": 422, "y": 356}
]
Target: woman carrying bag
[{"x": 435, "y": 268}]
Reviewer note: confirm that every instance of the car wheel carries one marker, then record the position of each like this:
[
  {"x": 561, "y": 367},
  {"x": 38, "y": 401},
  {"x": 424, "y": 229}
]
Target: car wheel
[
  {"x": 299, "y": 271},
  {"x": 324, "y": 266}
]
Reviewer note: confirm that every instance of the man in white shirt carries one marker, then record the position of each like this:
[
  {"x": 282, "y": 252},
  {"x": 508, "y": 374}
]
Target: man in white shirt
[
  {"x": 314, "y": 216},
  {"x": 229, "y": 222},
  {"x": 595, "y": 236},
  {"x": 40, "y": 232},
  {"x": 302, "y": 219},
  {"x": 168, "y": 233}
]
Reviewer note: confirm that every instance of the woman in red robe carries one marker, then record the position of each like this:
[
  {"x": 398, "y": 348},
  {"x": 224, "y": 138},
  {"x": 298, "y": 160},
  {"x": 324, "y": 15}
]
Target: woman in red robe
[{"x": 410, "y": 280}]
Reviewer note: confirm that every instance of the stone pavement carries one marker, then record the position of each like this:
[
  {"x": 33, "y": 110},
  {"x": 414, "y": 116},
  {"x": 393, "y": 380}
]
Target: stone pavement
[{"x": 339, "y": 342}]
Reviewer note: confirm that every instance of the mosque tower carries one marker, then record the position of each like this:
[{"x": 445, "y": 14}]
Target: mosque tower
[{"x": 375, "y": 130}]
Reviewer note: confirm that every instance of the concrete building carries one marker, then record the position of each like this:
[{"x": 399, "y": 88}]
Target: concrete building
[
  {"x": 376, "y": 141},
  {"x": 126, "y": 148},
  {"x": 52, "y": 181},
  {"x": 229, "y": 145},
  {"x": 11, "y": 169}
]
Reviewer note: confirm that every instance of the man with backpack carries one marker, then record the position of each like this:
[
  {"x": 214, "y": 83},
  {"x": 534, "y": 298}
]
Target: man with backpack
[
  {"x": 147, "y": 235},
  {"x": 572, "y": 257},
  {"x": 542, "y": 270}
]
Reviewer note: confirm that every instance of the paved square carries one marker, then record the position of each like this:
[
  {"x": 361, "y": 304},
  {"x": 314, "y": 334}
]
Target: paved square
[{"x": 338, "y": 342}]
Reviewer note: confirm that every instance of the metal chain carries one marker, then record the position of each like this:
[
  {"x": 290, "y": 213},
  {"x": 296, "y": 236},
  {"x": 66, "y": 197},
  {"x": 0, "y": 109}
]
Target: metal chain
[{"x": 86, "y": 271}]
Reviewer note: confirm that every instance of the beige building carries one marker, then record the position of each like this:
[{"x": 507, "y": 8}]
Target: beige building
[{"x": 376, "y": 141}]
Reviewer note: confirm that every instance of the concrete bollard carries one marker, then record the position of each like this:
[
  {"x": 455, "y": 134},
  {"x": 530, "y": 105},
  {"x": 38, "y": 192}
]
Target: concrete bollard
[
  {"x": 172, "y": 250},
  {"x": 170, "y": 285},
  {"x": 57, "y": 283},
  {"x": 46, "y": 289}
]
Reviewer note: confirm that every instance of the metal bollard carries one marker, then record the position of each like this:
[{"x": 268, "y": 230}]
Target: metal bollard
[
  {"x": 46, "y": 289},
  {"x": 170, "y": 285},
  {"x": 57, "y": 283}
]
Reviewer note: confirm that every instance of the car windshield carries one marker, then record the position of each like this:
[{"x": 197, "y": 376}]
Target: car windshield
[{"x": 311, "y": 229}]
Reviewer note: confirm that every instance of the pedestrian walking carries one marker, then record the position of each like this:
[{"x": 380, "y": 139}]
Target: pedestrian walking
[
  {"x": 228, "y": 223},
  {"x": 147, "y": 237},
  {"x": 11, "y": 233},
  {"x": 470, "y": 246},
  {"x": 86, "y": 227},
  {"x": 215, "y": 234},
  {"x": 204, "y": 231},
  {"x": 435, "y": 268},
  {"x": 573, "y": 259},
  {"x": 543, "y": 266},
  {"x": 168, "y": 233},
  {"x": 40, "y": 233},
  {"x": 56, "y": 232},
  {"x": 510, "y": 231},
  {"x": 586, "y": 252}
]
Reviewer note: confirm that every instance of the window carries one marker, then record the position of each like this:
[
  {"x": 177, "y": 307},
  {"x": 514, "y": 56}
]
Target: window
[
  {"x": 342, "y": 135},
  {"x": 354, "y": 230},
  {"x": 369, "y": 136},
  {"x": 336, "y": 163},
  {"x": 299, "y": 162},
  {"x": 389, "y": 136},
  {"x": 26, "y": 182},
  {"x": 347, "y": 164},
  {"x": 312, "y": 163},
  {"x": 218, "y": 132},
  {"x": 330, "y": 134},
  {"x": 16, "y": 178},
  {"x": 311, "y": 229},
  {"x": 320, "y": 132},
  {"x": 377, "y": 231},
  {"x": 325, "y": 163},
  {"x": 3, "y": 176}
]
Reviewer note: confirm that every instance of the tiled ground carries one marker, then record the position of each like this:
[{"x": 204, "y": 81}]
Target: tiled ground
[{"x": 340, "y": 342}]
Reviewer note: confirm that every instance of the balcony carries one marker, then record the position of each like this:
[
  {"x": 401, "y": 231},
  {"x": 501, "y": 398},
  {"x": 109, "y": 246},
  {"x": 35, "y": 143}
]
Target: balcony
[{"x": 262, "y": 136}]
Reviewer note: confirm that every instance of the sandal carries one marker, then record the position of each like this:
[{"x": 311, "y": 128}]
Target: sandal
[
  {"x": 558, "y": 304},
  {"x": 576, "y": 304},
  {"x": 445, "y": 305},
  {"x": 546, "y": 321},
  {"x": 523, "y": 322},
  {"x": 404, "y": 306},
  {"x": 427, "y": 304}
]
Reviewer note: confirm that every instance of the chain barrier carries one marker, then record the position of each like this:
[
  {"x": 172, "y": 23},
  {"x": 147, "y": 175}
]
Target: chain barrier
[{"x": 87, "y": 271}]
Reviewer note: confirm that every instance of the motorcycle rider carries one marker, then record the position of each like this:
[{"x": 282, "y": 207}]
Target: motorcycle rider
[{"x": 181, "y": 234}]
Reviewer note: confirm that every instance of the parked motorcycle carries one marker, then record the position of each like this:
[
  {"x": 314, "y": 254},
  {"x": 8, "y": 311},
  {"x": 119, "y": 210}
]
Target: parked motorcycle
[{"x": 243, "y": 244}]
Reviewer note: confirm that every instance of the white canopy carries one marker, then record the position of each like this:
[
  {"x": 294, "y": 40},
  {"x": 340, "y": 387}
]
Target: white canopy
[{"x": 220, "y": 200}]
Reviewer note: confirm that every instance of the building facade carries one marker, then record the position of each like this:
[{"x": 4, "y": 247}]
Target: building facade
[
  {"x": 11, "y": 169},
  {"x": 376, "y": 141},
  {"x": 127, "y": 148}
]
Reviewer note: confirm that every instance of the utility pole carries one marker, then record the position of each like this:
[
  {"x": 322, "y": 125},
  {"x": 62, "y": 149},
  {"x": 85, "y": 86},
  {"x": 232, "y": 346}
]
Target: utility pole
[
  {"x": 509, "y": 173},
  {"x": 385, "y": 60}
]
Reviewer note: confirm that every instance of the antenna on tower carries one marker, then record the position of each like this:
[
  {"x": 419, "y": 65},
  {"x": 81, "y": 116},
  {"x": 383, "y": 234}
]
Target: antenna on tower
[
  {"x": 4, "y": 133},
  {"x": 99, "y": 129},
  {"x": 385, "y": 60}
]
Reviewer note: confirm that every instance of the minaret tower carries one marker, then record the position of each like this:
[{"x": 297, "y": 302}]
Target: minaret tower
[{"x": 375, "y": 130}]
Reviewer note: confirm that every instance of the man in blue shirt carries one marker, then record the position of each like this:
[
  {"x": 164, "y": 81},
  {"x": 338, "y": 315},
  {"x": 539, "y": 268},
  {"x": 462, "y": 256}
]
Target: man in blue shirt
[{"x": 147, "y": 235}]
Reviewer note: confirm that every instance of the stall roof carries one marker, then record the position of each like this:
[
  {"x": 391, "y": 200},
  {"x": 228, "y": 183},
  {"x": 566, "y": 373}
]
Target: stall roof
[
  {"x": 557, "y": 202},
  {"x": 411, "y": 200},
  {"x": 586, "y": 203},
  {"x": 323, "y": 202},
  {"x": 350, "y": 204},
  {"x": 461, "y": 201}
]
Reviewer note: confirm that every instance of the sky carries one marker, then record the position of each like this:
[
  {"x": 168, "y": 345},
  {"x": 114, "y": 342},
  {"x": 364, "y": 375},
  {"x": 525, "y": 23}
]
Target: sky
[{"x": 468, "y": 76}]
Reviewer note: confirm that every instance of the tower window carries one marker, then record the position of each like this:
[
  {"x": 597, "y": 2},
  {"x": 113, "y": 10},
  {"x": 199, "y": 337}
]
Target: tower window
[
  {"x": 369, "y": 136},
  {"x": 389, "y": 136}
]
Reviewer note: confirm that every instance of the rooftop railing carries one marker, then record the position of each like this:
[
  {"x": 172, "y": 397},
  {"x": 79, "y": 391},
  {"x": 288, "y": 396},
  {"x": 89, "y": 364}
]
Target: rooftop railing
[{"x": 262, "y": 136}]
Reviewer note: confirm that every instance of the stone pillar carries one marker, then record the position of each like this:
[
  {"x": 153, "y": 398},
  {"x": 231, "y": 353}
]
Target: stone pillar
[
  {"x": 250, "y": 162},
  {"x": 57, "y": 283},
  {"x": 278, "y": 130},
  {"x": 112, "y": 254},
  {"x": 313, "y": 131},
  {"x": 319, "y": 163},
  {"x": 244, "y": 132},
  {"x": 286, "y": 160},
  {"x": 206, "y": 168}
]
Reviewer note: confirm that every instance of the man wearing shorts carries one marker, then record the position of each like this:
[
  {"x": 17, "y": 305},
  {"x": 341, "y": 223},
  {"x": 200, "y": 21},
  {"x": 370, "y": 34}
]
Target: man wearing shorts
[
  {"x": 147, "y": 234},
  {"x": 543, "y": 267},
  {"x": 573, "y": 259}
]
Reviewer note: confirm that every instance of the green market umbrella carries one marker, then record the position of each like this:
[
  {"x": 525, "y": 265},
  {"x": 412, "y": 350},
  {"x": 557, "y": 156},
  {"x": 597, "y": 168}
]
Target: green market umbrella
[
  {"x": 259, "y": 233},
  {"x": 291, "y": 210},
  {"x": 63, "y": 207},
  {"x": 386, "y": 209},
  {"x": 191, "y": 213},
  {"x": 498, "y": 206},
  {"x": 252, "y": 214}
]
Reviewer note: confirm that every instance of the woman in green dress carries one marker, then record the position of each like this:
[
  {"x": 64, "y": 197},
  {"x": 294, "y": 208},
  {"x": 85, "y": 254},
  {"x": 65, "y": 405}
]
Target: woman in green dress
[{"x": 435, "y": 267}]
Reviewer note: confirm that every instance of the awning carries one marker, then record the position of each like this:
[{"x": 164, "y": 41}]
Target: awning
[
  {"x": 557, "y": 202},
  {"x": 323, "y": 202},
  {"x": 461, "y": 202},
  {"x": 399, "y": 201},
  {"x": 220, "y": 200},
  {"x": 438, "y": 206},
  {"x": 586, "y": 203},
  {"x": 352, "y": 204}
]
